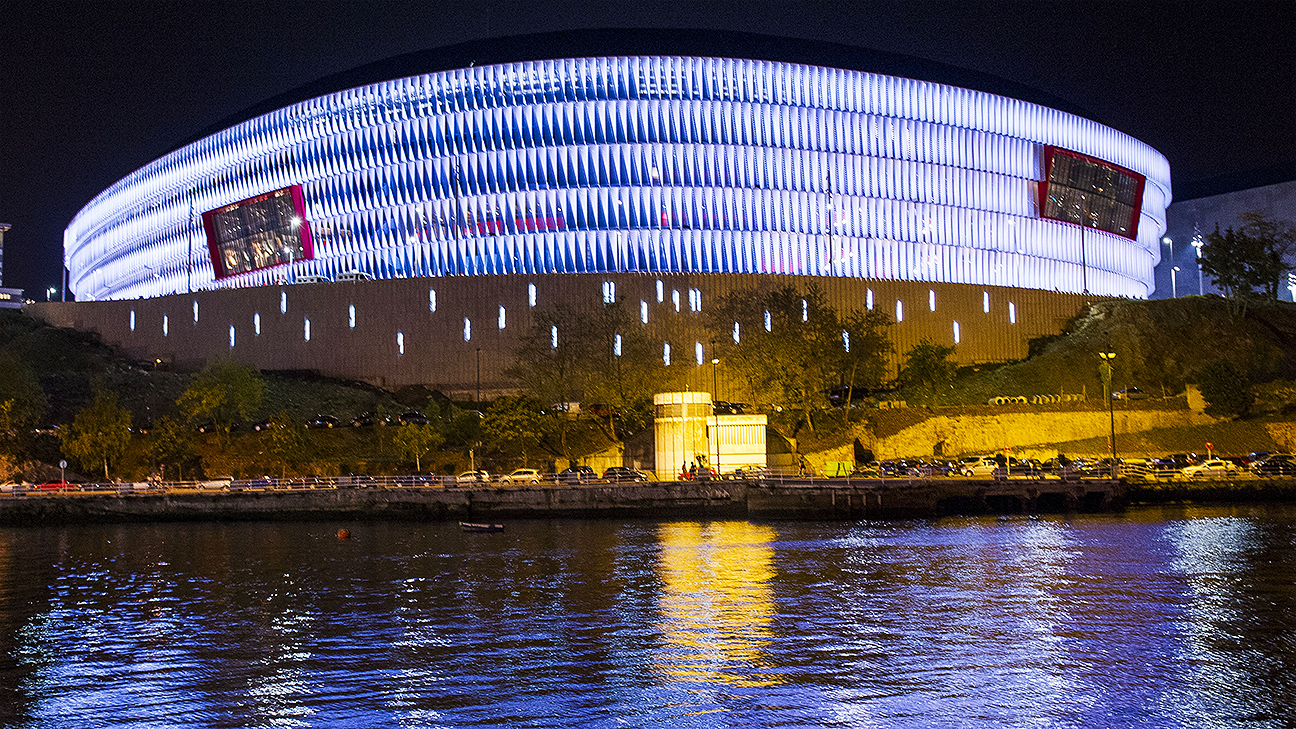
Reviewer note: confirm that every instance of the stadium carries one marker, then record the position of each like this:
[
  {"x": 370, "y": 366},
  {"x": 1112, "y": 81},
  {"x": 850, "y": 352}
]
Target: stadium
[{"x": 398, "y": 230}]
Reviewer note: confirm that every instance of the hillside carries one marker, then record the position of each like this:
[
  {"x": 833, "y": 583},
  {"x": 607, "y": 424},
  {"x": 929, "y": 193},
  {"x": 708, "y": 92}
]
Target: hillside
[{"x": 1158, "y": 345}]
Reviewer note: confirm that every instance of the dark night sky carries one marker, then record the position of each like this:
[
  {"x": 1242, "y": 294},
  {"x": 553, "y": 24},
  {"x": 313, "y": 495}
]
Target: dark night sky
[{"x": 90, "y": 92}]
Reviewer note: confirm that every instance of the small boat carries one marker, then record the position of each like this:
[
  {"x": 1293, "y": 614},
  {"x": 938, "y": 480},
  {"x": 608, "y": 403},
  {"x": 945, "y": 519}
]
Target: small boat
[{"x": 470, "y": 527}]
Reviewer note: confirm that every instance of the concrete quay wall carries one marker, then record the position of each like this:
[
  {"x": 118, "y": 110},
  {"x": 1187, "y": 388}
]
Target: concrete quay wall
[{"x": 821, "y": 499}]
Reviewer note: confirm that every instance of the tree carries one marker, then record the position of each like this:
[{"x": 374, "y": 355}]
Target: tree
[
  {"x": 287, "y": 441},
  {"x": 927, "y": 371},
  {"x": 599, "y": 355},
  {"x": 224, "y": 392},
  {"x": 99, "y": 433},
  {"x": 792, "y": 347},
  {"x": 622, "y": 368},
  {"x": 515, "y": 425},
  {"x": 415, "y": 441},
  {"x": 22, "y": 401},
  {"x": 1226, "y": 390},
  {"x": 173, "y": 445},
  {"x": 1255, "y": 255}
]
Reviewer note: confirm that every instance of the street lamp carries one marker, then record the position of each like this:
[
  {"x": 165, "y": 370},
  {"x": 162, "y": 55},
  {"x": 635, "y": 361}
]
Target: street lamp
[
  {"x": 1105, "y": 369},
  {"x": 1174, "y": 291},
  {"x": 715, "y": 415},
  {"x": 1197, "y": 243},
  {"x": 49, "y": 293}
]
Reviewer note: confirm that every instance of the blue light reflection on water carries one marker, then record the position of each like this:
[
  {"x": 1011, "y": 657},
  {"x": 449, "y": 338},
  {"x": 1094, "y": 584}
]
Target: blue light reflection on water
[{"x": 1159, "y": 618}]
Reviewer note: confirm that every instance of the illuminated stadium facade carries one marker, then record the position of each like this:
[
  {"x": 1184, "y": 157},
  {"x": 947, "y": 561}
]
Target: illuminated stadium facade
[
  {"x": 664, "y": 165},
  {"x": 635, "y": 167}
]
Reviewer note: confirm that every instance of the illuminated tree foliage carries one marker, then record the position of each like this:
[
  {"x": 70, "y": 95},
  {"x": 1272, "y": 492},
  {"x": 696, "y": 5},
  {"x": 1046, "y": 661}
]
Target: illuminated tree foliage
[
  {"x": 601, "y": 355},
  {"x": 99, "y": 433},
  {"x": 927, "y": 371},
  {"x": 22, "y": 401},
  {"x": 287, "y": 441},
  {"x": 792, "y": 348},
  {"x": 224, "y": 392},
  {"x": 415, "y": 441},
  {"x": 515, "y": 426},
  {"x": 173, "y": 445}
]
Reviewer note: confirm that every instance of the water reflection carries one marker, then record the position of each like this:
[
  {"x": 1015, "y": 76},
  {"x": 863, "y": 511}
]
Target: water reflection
[
  {"x": 716, "y": 602},
  {"x": 1160, "y": 618}
]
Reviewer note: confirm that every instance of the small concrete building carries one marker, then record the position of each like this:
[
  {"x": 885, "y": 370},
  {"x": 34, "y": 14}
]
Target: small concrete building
[{"x": 687, "y": 432}]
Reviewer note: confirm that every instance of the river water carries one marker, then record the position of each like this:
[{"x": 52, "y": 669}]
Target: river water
[{"x": 1168, "y": 617}]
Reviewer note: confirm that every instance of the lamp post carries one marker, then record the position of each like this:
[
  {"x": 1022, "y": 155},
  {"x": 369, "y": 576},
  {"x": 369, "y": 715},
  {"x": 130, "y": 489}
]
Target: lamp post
[
  {"x": 1174, "y": 290},
  {"x": 1105, "y": 369},
  {"x": 715, "y": 415},
  {"x": 1197, "y": 243},
  {"x": 1167, "y": 240},
  {"x": 479, "y": 376}
]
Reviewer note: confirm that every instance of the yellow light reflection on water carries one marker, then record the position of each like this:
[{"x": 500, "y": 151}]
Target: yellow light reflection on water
[{"x": 716, "y": 603}]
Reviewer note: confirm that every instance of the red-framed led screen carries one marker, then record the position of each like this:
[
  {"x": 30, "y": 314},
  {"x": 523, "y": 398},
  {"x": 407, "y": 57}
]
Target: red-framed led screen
[
  {"x": 263, "y": 231},
  {"x": 1091, "y": 192}
]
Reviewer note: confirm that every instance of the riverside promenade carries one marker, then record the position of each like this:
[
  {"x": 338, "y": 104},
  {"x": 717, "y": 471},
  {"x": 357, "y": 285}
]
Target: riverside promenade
[{"x": 771, "y": 498}]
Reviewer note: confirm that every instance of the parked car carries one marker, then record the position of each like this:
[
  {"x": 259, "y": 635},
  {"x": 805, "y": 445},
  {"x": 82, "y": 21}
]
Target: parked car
[
  {"x": 57, "y": 486},
  {"x": 978, "y": 467},
  {"x": 323, "y": 421},
  {"x": 750, "y": 472},
  {"x": 577, "y": 474},
  {"x": 413, "y": 417},
  {"x": 1129, "y": 393},
  {"x": 260, "y": 425},
  {"x": 599, "y": 410},
  {"x": 624, "y": 473},
  {"x": 353, "y": 276},
  {"x": 478, "y": 476},
  {"x": 1278, "y": 464},
  {"x": 313, "y": 278},
  {"x": 366, "y": 419},
  {"x": 721, "y": 407},
  {"x": 1212, "y": 468},
  {"x": 522, "y": 475}
]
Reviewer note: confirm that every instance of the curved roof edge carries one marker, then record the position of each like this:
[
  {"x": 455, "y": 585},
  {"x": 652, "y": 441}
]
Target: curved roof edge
[{"x": 647, "y": 42}]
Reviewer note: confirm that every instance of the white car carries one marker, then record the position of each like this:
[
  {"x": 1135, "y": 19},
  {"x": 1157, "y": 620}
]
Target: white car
[
  {"x": 1213, "y": 468},
  {"x": 473, "y": 477},
  {"x": 522, "y": 475},
  {"x": 986, "y": 466}
]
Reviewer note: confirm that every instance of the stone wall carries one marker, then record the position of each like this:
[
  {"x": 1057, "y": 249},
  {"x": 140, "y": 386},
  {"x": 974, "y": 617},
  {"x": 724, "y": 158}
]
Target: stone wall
[{"x": 976, "y": 434}]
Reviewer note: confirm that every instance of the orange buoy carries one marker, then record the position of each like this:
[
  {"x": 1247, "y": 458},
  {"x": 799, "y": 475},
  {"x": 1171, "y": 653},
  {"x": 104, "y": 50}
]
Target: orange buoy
[{"x": 344, "y": 534}]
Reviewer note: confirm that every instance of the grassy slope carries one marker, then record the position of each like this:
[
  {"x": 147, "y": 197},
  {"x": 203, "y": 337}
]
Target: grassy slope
[{"x": 1157, "y": 344}]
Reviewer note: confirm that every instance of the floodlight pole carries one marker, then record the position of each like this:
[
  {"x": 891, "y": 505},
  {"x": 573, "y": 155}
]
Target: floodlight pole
[
  {"x": 1198, "y": 243},
  {"x": 1084, "y": 264},
  {"x": 1107, "y": 357}
]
